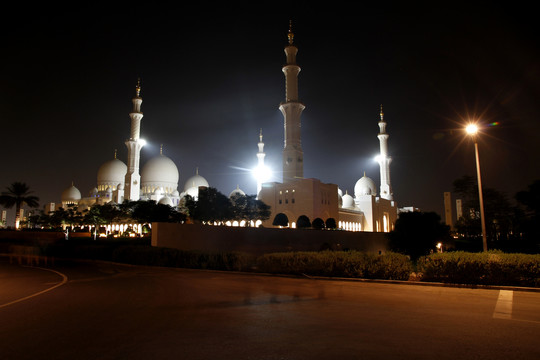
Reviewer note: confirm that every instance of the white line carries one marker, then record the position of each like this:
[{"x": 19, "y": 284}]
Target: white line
[
  {"x": 503, "y": 309},
  {"x": 64, "y": 280}
]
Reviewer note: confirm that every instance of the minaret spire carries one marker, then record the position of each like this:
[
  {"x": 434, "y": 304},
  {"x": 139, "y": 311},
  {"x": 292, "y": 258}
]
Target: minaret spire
[
  {"x": 293, "y": 156},
  {"x": 291, "y": 34},
  {"x": 134, "y": 145},
  {"x": 261, "y": 170},
  {"x": 384, "y": 160}
]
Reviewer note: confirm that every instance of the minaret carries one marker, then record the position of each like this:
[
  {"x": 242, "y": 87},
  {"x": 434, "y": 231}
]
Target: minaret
[
  {"x": 293, "y": 156},
  {"x": 384, "y": 160},
  {"x": 260, "y": 164},
  {"x": 134, "y": 146}
]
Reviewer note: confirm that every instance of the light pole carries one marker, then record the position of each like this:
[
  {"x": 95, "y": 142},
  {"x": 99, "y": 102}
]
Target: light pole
[{"x": 472, "y": 130}]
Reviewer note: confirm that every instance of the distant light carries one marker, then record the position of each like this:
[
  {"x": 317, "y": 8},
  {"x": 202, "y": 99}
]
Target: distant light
[
  {"x": 471, "y": 129},
  {"x": 262, "y": 173}
]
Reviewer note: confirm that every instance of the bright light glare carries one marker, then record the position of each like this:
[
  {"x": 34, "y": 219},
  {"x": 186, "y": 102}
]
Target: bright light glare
[
  {"x": 471, "y": 129},
  {"x": 377, "y": 158},
  {"x": 262, "y": 173},
  {"x": 142, "y": 142}
]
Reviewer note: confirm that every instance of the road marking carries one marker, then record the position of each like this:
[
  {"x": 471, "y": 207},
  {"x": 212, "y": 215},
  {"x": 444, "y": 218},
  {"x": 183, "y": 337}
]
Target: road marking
[
  {"x": 503, "y": 309},
  {"x": 64, "y": 280}
]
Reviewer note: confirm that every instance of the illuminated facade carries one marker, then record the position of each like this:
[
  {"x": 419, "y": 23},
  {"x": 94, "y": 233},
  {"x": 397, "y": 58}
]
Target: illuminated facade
[{"x": 298, "y": 198}]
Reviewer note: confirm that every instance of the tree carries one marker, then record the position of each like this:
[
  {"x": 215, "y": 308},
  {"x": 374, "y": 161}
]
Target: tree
[
  {"x": 498, "y": 212},
  {"x": 303, "y": 222},
  {"x": 94, "y": 217},
  {"x": 331, "y": 223},
  {"x": 417, "y": 233},
  {"x": 530, "y": 202},
  {"x": 211, "y": 206},
  {"x": 18, "y": 194},
  {"x": 318, "y": 224},
  {"x": 249, "y": 208},
  {"x": 280, "y": 220},
  {"x": 148, "y": 211}
]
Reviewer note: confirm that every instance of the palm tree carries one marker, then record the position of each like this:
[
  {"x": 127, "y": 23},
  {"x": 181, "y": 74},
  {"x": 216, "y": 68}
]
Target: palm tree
[{"x": 18, "y": 194}]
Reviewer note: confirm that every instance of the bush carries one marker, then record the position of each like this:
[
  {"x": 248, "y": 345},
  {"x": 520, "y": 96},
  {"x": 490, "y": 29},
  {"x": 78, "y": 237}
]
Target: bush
[
  {"x": 337, "y": 264},
  {"x": 487, "y": 268}
]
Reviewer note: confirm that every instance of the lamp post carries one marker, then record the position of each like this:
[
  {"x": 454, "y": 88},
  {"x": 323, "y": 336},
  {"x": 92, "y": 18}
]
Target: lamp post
[{"x": 472, "y": 130}]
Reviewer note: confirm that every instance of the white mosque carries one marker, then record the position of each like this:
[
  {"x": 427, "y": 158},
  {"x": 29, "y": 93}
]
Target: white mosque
[
  {"x": 117, "y": 181},
  {"x": 295, "y": 197}
]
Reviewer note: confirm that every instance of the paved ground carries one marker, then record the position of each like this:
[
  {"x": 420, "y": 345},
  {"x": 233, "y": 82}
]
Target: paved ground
[{"x": 110, "y": 311}]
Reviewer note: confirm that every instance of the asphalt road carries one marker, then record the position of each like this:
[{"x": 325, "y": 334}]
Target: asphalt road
[{"x": 111, "y": 311}]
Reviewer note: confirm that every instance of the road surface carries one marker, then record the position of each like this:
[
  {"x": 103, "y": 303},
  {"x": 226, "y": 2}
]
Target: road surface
[{"x": 100, "y": 310}]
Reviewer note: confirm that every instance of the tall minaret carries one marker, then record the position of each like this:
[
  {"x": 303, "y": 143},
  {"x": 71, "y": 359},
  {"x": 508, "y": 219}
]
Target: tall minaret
[
  {"x": 260, "y": 164},
  {"x": 134, "y": 145},
  {"x": 293, "y": 156},
  {"x": 384, "y": 160}
]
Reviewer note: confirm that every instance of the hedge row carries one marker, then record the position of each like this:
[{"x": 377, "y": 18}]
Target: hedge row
[
  {"x": 390, "y": 266},
  {"x": 487, "y": 268},
  {"x": 144, "y": 254}
]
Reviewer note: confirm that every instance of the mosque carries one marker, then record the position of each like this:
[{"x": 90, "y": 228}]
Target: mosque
[{"x": 289, "y": 200}]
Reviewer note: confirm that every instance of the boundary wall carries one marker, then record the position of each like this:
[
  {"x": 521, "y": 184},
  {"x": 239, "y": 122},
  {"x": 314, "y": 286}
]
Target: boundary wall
[{"x": 259, "y": 241}]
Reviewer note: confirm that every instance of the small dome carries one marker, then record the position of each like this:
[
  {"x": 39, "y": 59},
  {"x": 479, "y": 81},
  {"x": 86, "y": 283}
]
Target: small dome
[
  {"x": 348, "y": 201},
  {"x": 365, "y": 186},
  {"x": 193, "y": 184},
  {"x": 166, "y": 201},
  {"x": 160, "y": 171},
  {"x": 195, "y": 181},
  {"x": 236, "y": 191},
  {"x": 113, "y": 172},
  {"x": 71, "y": 194},
  {"x": 121, "y": 187},
  {"x": 175, "y": 193}
]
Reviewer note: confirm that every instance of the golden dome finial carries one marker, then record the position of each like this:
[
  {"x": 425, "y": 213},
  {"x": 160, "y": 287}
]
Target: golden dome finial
[
  {"x": 382, "y": 114},
  {"x": 115, "y": 153},
  {"x": 291, "y": 34},
  {"x": 138, "y": 87},
  {"x": 260, "y": 135},
  {"x": 161, "y": 149}
]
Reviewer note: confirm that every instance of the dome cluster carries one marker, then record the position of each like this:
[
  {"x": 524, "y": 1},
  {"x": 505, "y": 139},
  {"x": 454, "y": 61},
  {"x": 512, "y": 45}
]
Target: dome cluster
[{"x": 363, "y": 187}]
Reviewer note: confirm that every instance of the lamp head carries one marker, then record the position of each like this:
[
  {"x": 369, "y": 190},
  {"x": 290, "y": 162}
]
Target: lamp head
[{"x": 471, "y": 129}]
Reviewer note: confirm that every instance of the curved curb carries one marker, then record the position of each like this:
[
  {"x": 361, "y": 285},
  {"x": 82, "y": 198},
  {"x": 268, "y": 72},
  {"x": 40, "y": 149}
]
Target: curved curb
[{"x": 64, "y": 280}]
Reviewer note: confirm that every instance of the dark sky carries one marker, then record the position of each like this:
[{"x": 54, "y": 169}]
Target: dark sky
[{"x": 211, "y": 78}]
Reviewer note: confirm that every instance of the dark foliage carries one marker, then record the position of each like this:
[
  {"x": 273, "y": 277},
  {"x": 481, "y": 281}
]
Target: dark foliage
[
  {"x": 303, "y": 222},
  {"x": 417, "y": 233},
  {"x": 280, "y": 220}
]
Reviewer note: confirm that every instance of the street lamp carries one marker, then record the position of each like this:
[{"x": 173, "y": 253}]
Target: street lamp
[{"x": 472, "y": 130}]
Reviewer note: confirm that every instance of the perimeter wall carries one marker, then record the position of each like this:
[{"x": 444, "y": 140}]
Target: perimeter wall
[{"x": 263, "y": 240}]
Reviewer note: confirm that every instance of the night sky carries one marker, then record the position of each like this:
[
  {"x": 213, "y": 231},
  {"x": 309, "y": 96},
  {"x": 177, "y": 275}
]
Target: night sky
[{"x": 211, "y": 78}]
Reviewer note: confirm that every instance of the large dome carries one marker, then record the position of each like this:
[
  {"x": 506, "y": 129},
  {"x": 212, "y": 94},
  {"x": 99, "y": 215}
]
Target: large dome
[
  {"x": 71, "y": 194},
  {"x": 365, "y": 186},
  {"x": 160, "y": 171},
  {"x": 112, "y": 173}
]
